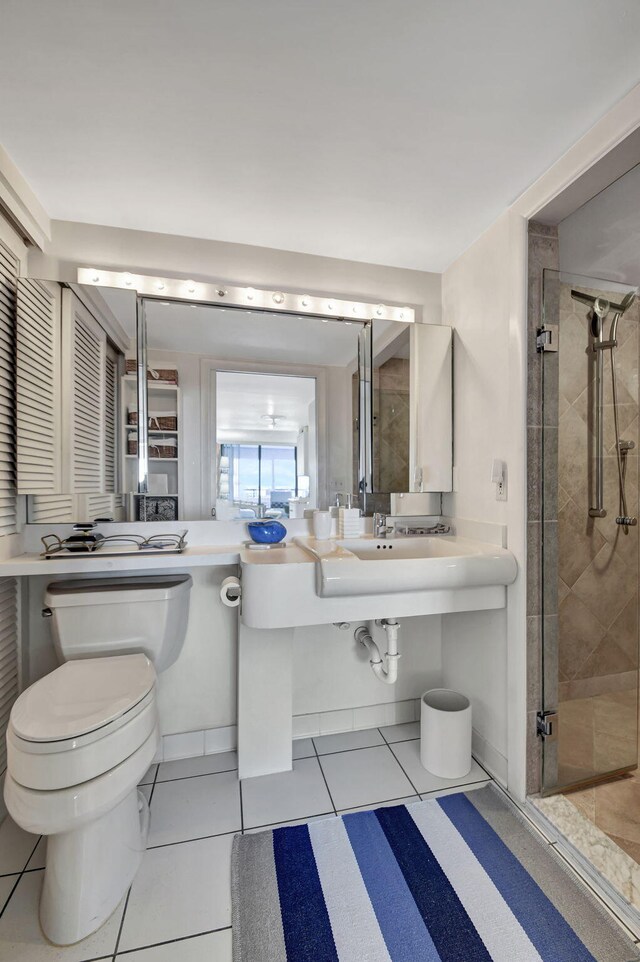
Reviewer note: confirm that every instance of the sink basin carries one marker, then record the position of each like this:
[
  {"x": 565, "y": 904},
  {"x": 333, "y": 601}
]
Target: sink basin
[
  {"x": 371, "y": 566},
  {"x": 379, "y": 549}
]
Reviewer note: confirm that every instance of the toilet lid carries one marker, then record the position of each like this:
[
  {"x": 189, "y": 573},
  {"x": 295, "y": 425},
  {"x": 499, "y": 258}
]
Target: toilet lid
[{"x": 81, "y": 696}]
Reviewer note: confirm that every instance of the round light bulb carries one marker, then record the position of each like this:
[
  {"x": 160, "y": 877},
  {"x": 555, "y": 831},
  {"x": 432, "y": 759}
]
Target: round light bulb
[
  {"x": 330, "y": 306},
  {"x": 95, "y": 278},
  {"x": 379, "y": 310},
  {"x": 305, "y": 302},
  {"x": 128, "y": 279},
  {"x": 250, "y": 293},
  {"x": 160, "y": 286},
  {"x": 278, "y": 297},
  {"x": 191, "y": 287}
]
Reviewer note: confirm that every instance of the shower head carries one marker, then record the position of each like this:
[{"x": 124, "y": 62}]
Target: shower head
[
  {"x": 627, "y": 301},
  {"x": 620, "y": 309}
]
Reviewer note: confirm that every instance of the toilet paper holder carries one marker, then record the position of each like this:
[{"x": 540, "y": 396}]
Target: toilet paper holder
[{"x": 231, "y": 592}]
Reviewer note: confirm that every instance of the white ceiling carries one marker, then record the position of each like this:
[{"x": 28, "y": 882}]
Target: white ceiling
[
  {"x": 242, "y": 400},
  {"x": 380, "y": 131},
  {"x": 251, "y": 335}
]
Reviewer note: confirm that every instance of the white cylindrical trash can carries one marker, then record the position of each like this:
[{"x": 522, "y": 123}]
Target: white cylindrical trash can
[{"x": 445, "y": 733}]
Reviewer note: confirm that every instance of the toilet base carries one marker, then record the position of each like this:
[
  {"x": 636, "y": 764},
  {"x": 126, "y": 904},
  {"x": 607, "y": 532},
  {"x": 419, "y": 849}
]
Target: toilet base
[{"x": 90, "y": 869}]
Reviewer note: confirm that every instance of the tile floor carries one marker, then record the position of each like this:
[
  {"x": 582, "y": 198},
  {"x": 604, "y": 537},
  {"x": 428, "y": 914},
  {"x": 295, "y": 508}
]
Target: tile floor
[{"x": 179, "y": 904}]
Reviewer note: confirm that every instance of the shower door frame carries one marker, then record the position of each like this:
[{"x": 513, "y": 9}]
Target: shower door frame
[{"x": 549, "y": 718}]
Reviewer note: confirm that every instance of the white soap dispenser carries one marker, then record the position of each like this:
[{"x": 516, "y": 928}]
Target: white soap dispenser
[{"x": 348, "y": 521}]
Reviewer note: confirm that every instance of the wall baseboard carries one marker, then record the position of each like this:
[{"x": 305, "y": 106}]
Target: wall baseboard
[
  {"x": 489, "y": 757},
  {"x": 214, "y": 740}
]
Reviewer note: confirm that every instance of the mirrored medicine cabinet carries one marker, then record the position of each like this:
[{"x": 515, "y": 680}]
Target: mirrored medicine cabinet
[{"x": 136, "y": 408}]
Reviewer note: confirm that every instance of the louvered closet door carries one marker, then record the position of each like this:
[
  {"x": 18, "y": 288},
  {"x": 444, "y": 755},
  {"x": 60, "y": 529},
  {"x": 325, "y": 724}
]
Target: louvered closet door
[
  {"x": 38, "y": 402},
  {"x": 83, "y": 395},
  {"x": 111, "y": 419},
  {"x": 8, "y": 659},
  {"x": 8, "y": 281},
  {"x": 9, "y": 268}
]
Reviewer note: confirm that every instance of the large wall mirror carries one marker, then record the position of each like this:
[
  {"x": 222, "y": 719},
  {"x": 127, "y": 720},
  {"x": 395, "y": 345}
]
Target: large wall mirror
[{"x": 242, "y": 413}]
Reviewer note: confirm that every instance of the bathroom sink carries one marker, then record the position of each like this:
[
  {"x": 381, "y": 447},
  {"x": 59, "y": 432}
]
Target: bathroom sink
[
  {"x": 371, "y": 566},
  {"x": 394, "y": 549}
]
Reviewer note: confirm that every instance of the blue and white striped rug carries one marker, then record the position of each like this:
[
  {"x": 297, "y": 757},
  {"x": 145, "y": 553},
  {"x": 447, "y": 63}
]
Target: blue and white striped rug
[{"x": 461, "y": 878}]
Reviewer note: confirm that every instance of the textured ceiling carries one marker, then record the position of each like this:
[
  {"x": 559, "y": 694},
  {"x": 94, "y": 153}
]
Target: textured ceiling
[{"x": 390, "y": 132}]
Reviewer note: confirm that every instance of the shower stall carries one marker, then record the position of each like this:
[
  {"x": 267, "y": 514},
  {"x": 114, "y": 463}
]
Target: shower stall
[{"x": 589, "y": 342}]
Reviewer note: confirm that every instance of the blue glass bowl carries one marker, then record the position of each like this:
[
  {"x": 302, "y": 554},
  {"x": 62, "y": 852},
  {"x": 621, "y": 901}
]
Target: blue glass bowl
[{"x": 266, "y": 532}]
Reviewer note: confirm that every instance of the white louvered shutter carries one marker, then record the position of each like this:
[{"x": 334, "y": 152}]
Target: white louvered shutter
[
  {"x": 8, "y": 280},
  {"x": 8, "y": 659},
  {"x": 51, "y": 508},
  {"x": 37, "y": 407},
  {"x": 83, "y": 393},
  {"x": 111, "y": 420}
]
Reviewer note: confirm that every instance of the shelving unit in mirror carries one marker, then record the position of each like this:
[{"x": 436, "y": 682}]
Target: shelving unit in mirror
[{"x": 165, "y": 448}]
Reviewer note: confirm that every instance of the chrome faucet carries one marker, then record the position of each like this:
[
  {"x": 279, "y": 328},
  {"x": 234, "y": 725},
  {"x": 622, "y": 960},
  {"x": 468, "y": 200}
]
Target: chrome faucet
[{"x": 380, "y": 527}]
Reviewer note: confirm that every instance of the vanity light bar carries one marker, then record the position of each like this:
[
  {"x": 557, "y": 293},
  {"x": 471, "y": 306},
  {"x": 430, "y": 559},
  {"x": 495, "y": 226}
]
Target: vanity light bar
[{"x": 248, "y": 297}]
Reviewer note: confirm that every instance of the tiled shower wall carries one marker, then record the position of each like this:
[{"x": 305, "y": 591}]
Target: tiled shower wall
[{"x": 543, "y": 253}]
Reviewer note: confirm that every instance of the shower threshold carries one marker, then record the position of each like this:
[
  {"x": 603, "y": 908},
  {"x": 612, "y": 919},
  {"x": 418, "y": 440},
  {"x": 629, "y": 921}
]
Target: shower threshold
[{"x": 604, "y": 865}]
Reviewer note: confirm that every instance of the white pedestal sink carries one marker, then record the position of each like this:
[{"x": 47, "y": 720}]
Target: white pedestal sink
[{"x": 314, "y": 582}]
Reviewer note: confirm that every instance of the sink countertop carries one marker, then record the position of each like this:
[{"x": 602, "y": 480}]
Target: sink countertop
[{"x": 200, "y": 555}]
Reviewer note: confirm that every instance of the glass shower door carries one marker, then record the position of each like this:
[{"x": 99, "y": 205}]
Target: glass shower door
[{"x": 589, "y": 554}]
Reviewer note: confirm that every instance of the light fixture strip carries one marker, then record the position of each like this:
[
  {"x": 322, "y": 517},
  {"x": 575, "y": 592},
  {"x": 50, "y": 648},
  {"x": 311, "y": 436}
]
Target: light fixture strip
[{"x": 247, "y": 297}]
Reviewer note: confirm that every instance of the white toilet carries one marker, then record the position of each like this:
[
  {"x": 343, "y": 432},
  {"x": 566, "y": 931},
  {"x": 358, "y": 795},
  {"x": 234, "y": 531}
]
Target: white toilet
[{"x": 80, "y": 739}]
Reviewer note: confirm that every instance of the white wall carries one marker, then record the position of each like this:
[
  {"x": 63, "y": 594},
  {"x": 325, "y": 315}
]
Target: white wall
[
  {"x": 483, "y": 299},
  {"x": 86, "y": 245},
  {"x": 198, "y": 692}
]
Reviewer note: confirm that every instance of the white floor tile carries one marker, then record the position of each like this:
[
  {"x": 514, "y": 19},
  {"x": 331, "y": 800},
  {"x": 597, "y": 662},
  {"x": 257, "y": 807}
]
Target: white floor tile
[
  {"x": 287, "y": 795},
  {"x": 6, "y": 884},
  {"x": 39, "y": 857},
  {"x": 202, "y": 765},
  {"x": 408, "y": 754},
  {"x": 401, "y": 733},
  {"x": 149, "y": 775},
  {"x": 288, "y": 824},
  {"x": 180, "y": 890},
  {"x": 215, "y": 947},
  {"x": 303, "y": 748},
  {"x": 194, "y": 807},
  {"x": 389, "y": 804},
  {"x": 365, "y": 777},
  {"x": 347, "y": 741},
  {"x": 22, "y": 941},
  {"x": 15, "y": 846}
]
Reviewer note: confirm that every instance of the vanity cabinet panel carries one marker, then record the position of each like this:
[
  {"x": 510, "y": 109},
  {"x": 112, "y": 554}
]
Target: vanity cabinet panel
[{"x": 431, "y": 404}]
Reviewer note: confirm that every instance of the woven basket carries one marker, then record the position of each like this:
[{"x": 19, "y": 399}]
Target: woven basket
[
  {"x": 164, "y": 375},
  {"x": 157, "y": 422}
]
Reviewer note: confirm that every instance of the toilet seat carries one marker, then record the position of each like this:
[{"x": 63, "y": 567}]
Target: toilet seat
[
  {"x": 81, "y": 697},
  {"x": 106, "y": 708}
]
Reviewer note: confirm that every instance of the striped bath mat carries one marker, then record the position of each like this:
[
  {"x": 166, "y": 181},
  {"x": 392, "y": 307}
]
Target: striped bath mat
[{"x": 461, "y": 878}]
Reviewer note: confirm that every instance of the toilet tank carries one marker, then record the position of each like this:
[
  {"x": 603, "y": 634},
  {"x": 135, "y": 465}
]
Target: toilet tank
[{"x": 116, "y": 616}]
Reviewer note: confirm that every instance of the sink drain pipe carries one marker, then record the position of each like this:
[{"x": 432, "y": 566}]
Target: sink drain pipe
[{"x": 387, "y": 673}]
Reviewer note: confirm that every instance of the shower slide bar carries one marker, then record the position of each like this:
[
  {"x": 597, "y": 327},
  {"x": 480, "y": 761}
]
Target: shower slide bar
[{"x": 600, "y": 307}]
